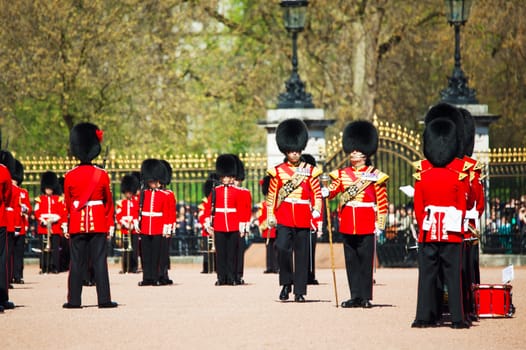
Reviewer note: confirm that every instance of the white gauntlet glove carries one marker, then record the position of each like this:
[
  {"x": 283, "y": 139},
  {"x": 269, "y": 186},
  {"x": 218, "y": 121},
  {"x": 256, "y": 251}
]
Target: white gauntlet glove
[{"x": 271, "y": 221}]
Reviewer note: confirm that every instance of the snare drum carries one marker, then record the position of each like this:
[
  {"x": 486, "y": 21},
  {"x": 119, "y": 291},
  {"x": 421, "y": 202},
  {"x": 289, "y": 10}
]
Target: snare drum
[{"x": 493, "y": 300}]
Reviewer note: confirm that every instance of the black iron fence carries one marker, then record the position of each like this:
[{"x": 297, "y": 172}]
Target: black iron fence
[{"x": 502, "y": 226}]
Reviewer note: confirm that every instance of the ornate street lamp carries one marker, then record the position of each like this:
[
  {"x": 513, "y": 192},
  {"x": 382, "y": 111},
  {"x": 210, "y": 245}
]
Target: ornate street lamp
[
  {"x": 294, "y": 14},
  {"x": 458, "y": 91}
]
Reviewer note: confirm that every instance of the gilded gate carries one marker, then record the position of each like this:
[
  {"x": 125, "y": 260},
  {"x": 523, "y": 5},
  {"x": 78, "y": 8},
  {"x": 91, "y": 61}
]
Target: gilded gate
[{"x": 503, "y": 224}]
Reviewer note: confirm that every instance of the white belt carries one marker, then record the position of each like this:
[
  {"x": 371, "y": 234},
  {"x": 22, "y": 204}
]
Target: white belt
[
  {"x": 151, "y": 213},
  {"x": 93, "y": 203},
  {"x": 297, "y": 200},
  {"x": 226, "y": 210},
  {"x": 357, "y": 204}
]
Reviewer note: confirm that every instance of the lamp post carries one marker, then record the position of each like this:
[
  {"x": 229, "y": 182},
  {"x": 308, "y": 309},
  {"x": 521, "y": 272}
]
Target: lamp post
[
  {"x": 294, "y": 14},
  {"x": 458, "y": 91}
]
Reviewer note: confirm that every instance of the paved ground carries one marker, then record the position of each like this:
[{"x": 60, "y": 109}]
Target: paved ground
[{"x": 194, "y": 314}]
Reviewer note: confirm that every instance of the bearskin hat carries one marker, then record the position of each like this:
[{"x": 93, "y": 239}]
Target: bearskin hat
[
  {"x": 84, "y": 141},
  {"x": 169, "y": 172},
  {"x": 360, "y": 135},
  {"x": 440, "y": 141},
  {"x": 7, "y": 159},
  {"x": 265, "y": 183},
  {"x": 153, "y": 170},
  {"x": 49, "y": 179},
  {"x": 18, "y": 173},
  {"x": 469, "y": 132},
  {"x": 308, "y": 158},
  {"x": 210, "y": 183},
  {"x": 445, "y": 110},
  {"x": 129, "y": 183},
  {"x": 292, "y": 135},
  {"x": 240, "y": 166},
  {"x": 226, "y": 165}
]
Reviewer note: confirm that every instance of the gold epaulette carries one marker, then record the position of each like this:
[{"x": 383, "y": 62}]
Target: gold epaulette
[
  {"x": 417, "y": 176},
  {"x": 119, "y": 203},
  {"x": 61, "y": 198},
  {"x": 272, "y": 172},
  {"x": 461, "y": 176},
  {"x": 37, "y": 200},
  {"x": 316, "y": 171},
  {"x": 382, "y": 177},
  {"x": 417, "y": 165},
  {"x": 334, "y": 174}
]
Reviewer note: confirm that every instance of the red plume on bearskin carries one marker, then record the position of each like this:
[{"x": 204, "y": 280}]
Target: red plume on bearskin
[
  {"x": 440, "y": 142},
  {"x": 292, "y": 135},
  {"x": 84, "y": 142},
  {"x": 445, "y": 110},
  {"x": 360, "y": 135}
]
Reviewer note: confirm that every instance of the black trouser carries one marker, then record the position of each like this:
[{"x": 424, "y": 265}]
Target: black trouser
[
  {"x": 433, "y": 259},
  {"x": 4, "y": 283},
  {"x": 55, "y": 252},
  {"x": 164, "y": 260},
  {"x": 359, "y": 261},
  {"x": 127, "y": 253},
  {"x": 45, "y": 256},
  {"x": 18, "y": 259},
  {"x": 226, "y": 255},
  {"x": 272, "y": 255},
  {"x": 312, "y": 256},
  {"x": 151, "y": 257},
  {"x": 10, "y": 255},
  {"x": 94, "y": 246},
  {"x": 293, "y": 245},
  {"x": 467, "y": 278}
]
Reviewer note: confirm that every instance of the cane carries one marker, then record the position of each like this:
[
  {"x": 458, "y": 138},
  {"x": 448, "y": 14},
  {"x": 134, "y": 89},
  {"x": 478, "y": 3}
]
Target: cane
[{"x": 325, "y": 182}]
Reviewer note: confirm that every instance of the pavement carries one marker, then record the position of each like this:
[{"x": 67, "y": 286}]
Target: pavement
[{"x": 194, "y": 314}]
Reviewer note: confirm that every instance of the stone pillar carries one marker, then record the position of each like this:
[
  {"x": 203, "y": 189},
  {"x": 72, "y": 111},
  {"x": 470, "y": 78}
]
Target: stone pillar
[
  {"x": 316, "y": 124},
  {"x": 482, "y": 122}
]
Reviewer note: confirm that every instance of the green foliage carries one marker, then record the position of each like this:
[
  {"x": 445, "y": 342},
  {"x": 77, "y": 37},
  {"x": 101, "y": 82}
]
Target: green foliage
[{"x": 181, "y": 76}]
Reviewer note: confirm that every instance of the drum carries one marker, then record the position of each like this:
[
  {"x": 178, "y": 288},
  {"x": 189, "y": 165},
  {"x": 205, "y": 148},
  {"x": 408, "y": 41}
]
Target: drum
[{"x": 493, "y": 300}]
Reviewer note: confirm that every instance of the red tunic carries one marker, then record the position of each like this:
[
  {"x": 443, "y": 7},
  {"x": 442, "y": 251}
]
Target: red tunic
[
  {"x": 440, "y": 205},
  {"x": 171, "y": 219},
  {"x": 295, "y": 210},
  {"x": 476, "y": 200},
  {"x": 156, "y": 212},
  {"x": 13, "y": 210},
  {"x": 26, "y": 209},
  {"x": 50, "y": 208},
  {"x": 127, "y": 215},
  {"x": 266, "y": 231},
  {"x": 246, "y": 211},
  {"x": 230, "y": 208},
  {"x": 5, "y": 193},
  {"x": 368, "y": 210},
  {"x": 88, "y": 199},
  {"x": 201, "y": 216}
]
